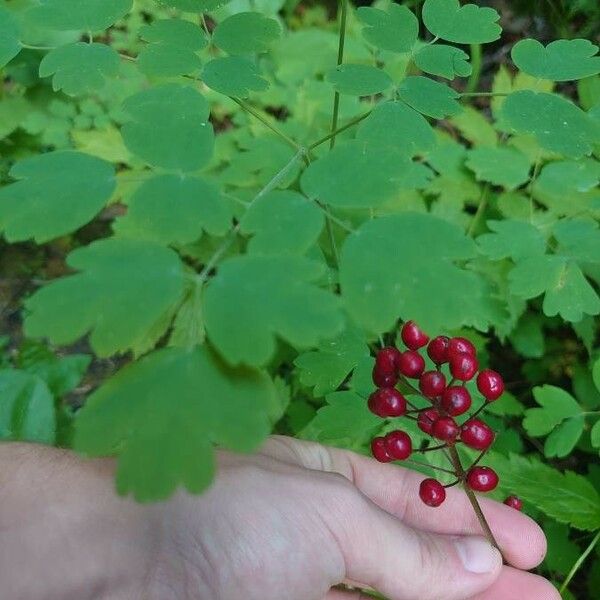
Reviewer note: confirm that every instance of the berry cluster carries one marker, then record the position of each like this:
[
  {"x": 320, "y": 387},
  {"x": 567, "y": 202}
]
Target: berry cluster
[{"x": 445, "y": 390}]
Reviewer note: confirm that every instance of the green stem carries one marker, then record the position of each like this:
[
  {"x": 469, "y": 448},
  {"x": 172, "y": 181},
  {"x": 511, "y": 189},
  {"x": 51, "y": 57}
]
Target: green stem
[
  {"x": 340, "y": 130},
  {"x": 534, "y": 176},
  {"x": 340, "y": 60},
  {"x": 30, "y": 47},
  {"x": 476, "y": 63},
  {"x": 429, "y": 466},
  {"x": 483, "y": 202},
  {"x": 578, "y": 563},
  {"x": 483, "y": 94}
]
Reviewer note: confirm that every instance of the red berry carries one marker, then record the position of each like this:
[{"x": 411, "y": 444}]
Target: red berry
[
  {"x": 384, "y": 380},
  {"x": 445, "y": 429},
  {"x": 456, "y": 400},
  {"x": 411, "y": 364},
  {"x": 438, "y": 349},
  {"x": 412, "y": 336},
  {"x": 386, "y": 360},
  {"x": 461, "y": 345},
  {"x": 514, "y": 502},
  {"x": 482, "y": 479},
  {"x": 379, "y": 451},
  {"x": 477, "y": 435},
  {"x": 463, "y": 366},
  {"x": 398, "y": 445},
  {"x": 490, "y": 384},
  {"x": 426, "y": 420},
  {"x": 432, "y": 384},
  {"x": 387, "y": 402},
  {"x": 432, "y": 492}
]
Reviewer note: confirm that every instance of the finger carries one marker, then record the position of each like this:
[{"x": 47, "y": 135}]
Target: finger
[
  {"x": 396, "y": 490},
  {"x": 517, "y": 585},
  {"x": 345, "y": 595}
]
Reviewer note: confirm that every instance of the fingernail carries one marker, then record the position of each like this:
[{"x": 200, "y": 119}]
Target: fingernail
[{"x": 477, "y": 555}]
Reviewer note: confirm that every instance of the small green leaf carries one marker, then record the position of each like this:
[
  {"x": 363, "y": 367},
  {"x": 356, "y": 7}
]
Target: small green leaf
[
  {"x": 557, "y": 123},
  {"x": 161, "y": 211},
  {"x": 233, "y": 76},
  {"x": 429, "y": 97},
  {"x": 468, "y": 24},
  {"x": 474, "y": 127},
  {"x": 501, "y": 166},
  {"x": 578, "y": 239},
  {"x": 9, "y": 37},
  {"x": 26, "y": 408},
  {"x": 563, "y": 552},
  {"x": 528, "y": 337},
  {"x": 567, "y": 177},
  {"x": 67, "y": 15},
  {"x": 162, "y": 415},
  {"x": 125, "y": 293},
  {"x": 188, "y": 327},
  {"x": 56, "y": 193},
  {"x": 80, "y": 68},
  {"x": 563, "y": 439},
  {"x": 195, "y": 6},
  {"x": 273, "y": 217},
  {"x": 169, "y": 127},
  {"x": 268, "y": 297},
  {"x": 562, "y": 60},
  {"x": 512, "y": 239},
  {"x": 395, "y": 30},
  {"x": 595, "y": 435},
  {"x": 596, "y": 374},
  {"x": 359, "y": 80},
  {"x": 246, "y": 33},
  {"x": 443, "y": 61}
]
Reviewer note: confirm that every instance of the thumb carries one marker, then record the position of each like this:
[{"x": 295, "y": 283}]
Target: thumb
[{"x": 406, "y": 564}]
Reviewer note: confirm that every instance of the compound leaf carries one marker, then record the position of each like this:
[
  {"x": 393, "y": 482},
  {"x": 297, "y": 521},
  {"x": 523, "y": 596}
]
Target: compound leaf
[
  {"x": 443, "y": 61},
  {"x": 562, "y": 60},
  {"x": 359, "y": 80},
  {"x": 91, "y": 15},
  {"x": 233, "y": 76},
  {"x": 163, "y": 414},
  {"x": 395, "y": 30},
  {"x": 9, "y": 37},
  {"x": 246, "y": 33},
  {"x": 55, "y": 194},
  {"x": 512, "y": 239},
  {"x": 499, "y": 165},
  {"x": 267, "y": 297},
  {"x": 556, "y": 406},
  {"x": 125, "y": 293},
  {"x": 429, "y": 97},
  {"x": 169, "y": 127}
]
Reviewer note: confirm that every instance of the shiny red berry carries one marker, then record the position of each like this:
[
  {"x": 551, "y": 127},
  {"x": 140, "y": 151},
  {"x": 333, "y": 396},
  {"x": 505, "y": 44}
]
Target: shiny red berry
[
  {"x": 432, "y": 384},
  {"x": 514, "y": 502},
  {"x": 398, "y": 445},
  {"x": 490, "y": 384},
  {"x": 445, "y": 429},
  {"x": 463, "y": 366},
  {"x": 411, "y": 364},
  {"x": 387, "y": 360},
  {"x": 412, "y": 336},
  {"x": 482, "y": 479},
  {"x": 387, "y": 402},
  {"x": 432, "y": 492},
  {"x": 438, "y": 349},
  {"x": 426, "y": 420},
  {"x": 461, "y": 345},
  {"x": 379, "y": 451},
  {"x": 456, "y": 400},
  {"x": 384, "y": 379},
  {"x": 477, "y": 435}
]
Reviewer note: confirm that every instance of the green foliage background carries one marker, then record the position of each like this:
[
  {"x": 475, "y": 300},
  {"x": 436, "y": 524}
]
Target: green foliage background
[{"x": 191, "y": 255}]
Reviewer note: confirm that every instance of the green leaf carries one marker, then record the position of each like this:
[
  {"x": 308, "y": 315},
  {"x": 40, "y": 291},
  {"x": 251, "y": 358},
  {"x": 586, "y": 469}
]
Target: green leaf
[
  {"x": 175, "y": 209},
  {"x": 528, "y": 337},
  {"x": 195, "y": 6},
  {"x": 572, "y": 500},
  {"x": 563, "y": 439},
  {"x": 246, "y": 33},
  {"x": 377, "y": 292},
  {"x": 267, "y": 297},
  {"x": 80, "y": 68},
  {"x": 67, "y": 15},
  {"x": 512, "y": 239},
  {"x": 326, "y": 368},
  {"x": 56, "y": 193},
  {"x": 468, "y": 24},
  {"x": 172, "y": 48},
  {"x": 501, "y": 166},
  {"x": 363, "y": 177},
  {"x": 596, "y": 374},
  {"x": 567, "y": 291},
  {"x": 359, "y": 80},
  {"x": 163, "y": 414},
  {"x": 233, "y": 76},
  {"x": 556, "y": 406},
  {"x": 567, "y": 177},
  {"x": 26, "y": 408},
  {"x": 595, "y": 435},
  {"x": 272, "y": 218},
  {"x": 474, "y": 127},
  {"x": 125, "y": 293},
  {"x": 562, "y": 551},
  {"x": 169, "y": 127},
  {"x": 10, "y": 45},
  {"x": 562, "y": 60},
  {"x": 397, "y": 125},
  {"x": 429, "y": 97},
  {"x": 578, "y": 239},
  {"x": 188, "y": 327},
  {"x": 395, "y": 30},
  {"x": 557, "y": 124},
  {"x": 443, "y": 61}
]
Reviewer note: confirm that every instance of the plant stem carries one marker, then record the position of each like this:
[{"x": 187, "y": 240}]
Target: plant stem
[
  {"x": 30, "y": 47},
  {"x": 578, "y": 563},
  {"x": 340, "y": 60},
  {"x": 476, "y": 74},
  {"x": 483, "y": 94},
  {"x": 340, "y": 130},
  {"x": 483, "y": 202},
  {"x": 430, "y": 466}
]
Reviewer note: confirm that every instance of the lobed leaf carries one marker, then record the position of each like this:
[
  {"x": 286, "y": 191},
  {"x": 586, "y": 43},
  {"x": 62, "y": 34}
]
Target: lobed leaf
[
  {"x": 518, "y": 240},
  {"x": 10, "y": 44},
  {"x": 556, "y": 406},
  {"x": 395, "y": 29},
  {"x": 246, "y": 33},
  {"x": 502, "y": 166},
  {"x": 359, "y": 80},
  {"x": 233, "y": 76},
  {"x": 443, "y": 61},
  {"x": 429, "y": 97},
  {"x": 67, "y": 15}
]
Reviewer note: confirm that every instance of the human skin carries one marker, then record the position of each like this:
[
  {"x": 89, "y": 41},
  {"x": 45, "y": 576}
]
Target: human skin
[{"x": 289, "y": 522}]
